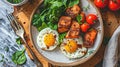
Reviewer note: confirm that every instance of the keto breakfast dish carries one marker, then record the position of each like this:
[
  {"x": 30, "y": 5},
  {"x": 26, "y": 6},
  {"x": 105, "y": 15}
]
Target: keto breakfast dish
[{"x": 65, "y": 25}]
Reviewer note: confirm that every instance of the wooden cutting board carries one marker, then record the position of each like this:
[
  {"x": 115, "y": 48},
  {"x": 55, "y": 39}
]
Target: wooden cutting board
[{"x": 111, "y": 22}]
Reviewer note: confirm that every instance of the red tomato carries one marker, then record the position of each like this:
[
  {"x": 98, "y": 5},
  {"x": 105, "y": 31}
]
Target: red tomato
[
  {"x": 85, "y": 27},
  {"x": 114, "y": 5},
  {"x": 118, "y": 1},
  {"x": 101, "y": 3},
  {"x": 91, "y": 19}
]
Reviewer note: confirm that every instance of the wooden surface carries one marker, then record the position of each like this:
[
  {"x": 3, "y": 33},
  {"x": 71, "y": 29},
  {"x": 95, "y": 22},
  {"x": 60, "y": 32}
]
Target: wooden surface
[{"x": 111, "y": 22}]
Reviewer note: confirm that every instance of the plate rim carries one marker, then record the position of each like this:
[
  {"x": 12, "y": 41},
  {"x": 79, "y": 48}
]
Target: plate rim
[{"x": 75, "y": 62}]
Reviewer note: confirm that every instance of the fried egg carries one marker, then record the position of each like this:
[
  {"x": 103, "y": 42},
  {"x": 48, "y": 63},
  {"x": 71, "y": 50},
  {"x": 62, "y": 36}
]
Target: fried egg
[
  {"x": 47, "y": 39},
  {"x": 73, "y": 48}
]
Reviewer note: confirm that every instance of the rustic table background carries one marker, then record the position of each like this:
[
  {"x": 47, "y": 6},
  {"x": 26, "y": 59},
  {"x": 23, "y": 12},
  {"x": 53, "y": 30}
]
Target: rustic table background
[{"x": 111, "y": 22}]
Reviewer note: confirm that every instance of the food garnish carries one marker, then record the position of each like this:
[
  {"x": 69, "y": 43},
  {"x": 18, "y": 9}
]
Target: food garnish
[{"x": 14, "y": 1}]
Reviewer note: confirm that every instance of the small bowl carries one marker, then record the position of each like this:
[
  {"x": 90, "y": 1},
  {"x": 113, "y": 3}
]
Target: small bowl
[{"x": 17, "y": 4}]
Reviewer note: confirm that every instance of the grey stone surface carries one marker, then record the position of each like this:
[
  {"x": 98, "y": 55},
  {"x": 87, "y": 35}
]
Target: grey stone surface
[{"x": 8, "y": 43}]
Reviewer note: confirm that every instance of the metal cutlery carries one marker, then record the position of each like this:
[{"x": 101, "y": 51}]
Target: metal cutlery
[{"x": 20, "y": 32}]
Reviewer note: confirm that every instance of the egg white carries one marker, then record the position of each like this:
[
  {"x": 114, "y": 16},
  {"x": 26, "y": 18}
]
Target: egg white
[
  {"x": 40, "y": 39},
  {"x": 80, "y": 52}
]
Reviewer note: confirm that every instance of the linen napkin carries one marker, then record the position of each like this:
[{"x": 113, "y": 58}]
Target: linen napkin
[
  {"x": 8, "y": 43},
  {"x": 112, "y": 51}
]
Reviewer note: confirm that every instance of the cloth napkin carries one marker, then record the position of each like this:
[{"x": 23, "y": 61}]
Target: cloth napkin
[
  {"x": 8, "y": 43},
  {"x": 112, "y": 51}
]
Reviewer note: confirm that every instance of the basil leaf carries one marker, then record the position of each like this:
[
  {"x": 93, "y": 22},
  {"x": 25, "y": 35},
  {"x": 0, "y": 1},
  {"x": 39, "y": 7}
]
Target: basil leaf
[
  {"x": 79, "y": 18},
  {"x": 73, "y": 2},
  {"x": 19, "y": 57}
]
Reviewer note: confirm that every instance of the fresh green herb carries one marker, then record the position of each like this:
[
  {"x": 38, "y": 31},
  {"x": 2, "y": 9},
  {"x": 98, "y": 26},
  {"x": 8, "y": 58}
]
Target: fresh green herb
[
  {"x": 73, "y": 2},
  {"x": 79, "y": 18},
  {"x": 51, "y": 12},
  {"x": 61, "y": 37},
  {"x": 44, "y": 25},
  {"x": 18, "y": 41},
  {"x": 14, "y": 1},
  {"x": 52, "y": 26},
  {"x": 19, "y": 57}
]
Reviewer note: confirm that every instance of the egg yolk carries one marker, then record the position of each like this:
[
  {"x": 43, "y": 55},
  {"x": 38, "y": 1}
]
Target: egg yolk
[
  {"x": 49, "y": 39},
  {"x": 71, "y": 46}
]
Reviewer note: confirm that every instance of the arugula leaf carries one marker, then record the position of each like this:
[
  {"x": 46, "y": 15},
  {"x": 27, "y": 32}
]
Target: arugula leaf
[
  {"x": 79, "y": 18},
  {"x": 19, "y": 57},
  {"x": 61, "y": 37},
  {"x": 73, "y": 2},
  {"x": 18, "y": 41}
]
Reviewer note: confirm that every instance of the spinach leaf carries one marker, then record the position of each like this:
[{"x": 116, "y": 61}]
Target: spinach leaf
[
  {"x": 61, "y": 37},
  {"x": 79, "y": 18},
  {"x": 52, "y": 26},
  {"x": 73, "y": 2},
  {"x": 65, "y": 3},
  {"x": 18, "y": 41},
  {"x": 56, "y": 4},
  {"x": 50, "y": 13},
  {"x": 19, "y": 57},
  {"x": 44, "y": 25}
]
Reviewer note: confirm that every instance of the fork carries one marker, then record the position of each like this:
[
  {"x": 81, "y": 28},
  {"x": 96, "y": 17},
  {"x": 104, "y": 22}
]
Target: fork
[{"x": 18, "y": 29}]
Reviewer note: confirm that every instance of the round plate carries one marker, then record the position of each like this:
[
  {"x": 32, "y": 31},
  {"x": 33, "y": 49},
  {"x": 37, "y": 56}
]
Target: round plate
[{"x": 56, "y": 57}]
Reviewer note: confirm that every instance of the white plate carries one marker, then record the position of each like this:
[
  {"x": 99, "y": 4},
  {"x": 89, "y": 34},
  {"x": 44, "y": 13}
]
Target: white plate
[{"x": 56, "y": 57}]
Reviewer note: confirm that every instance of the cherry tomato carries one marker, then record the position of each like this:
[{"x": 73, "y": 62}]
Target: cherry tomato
[
  {"x": 101, "y": 3},
  {"x": 118, "y": 1},
  {"x": 114, "y": 5},
  {"x": 91, "y": 19},
  {"x": 85, "y": 27}
]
